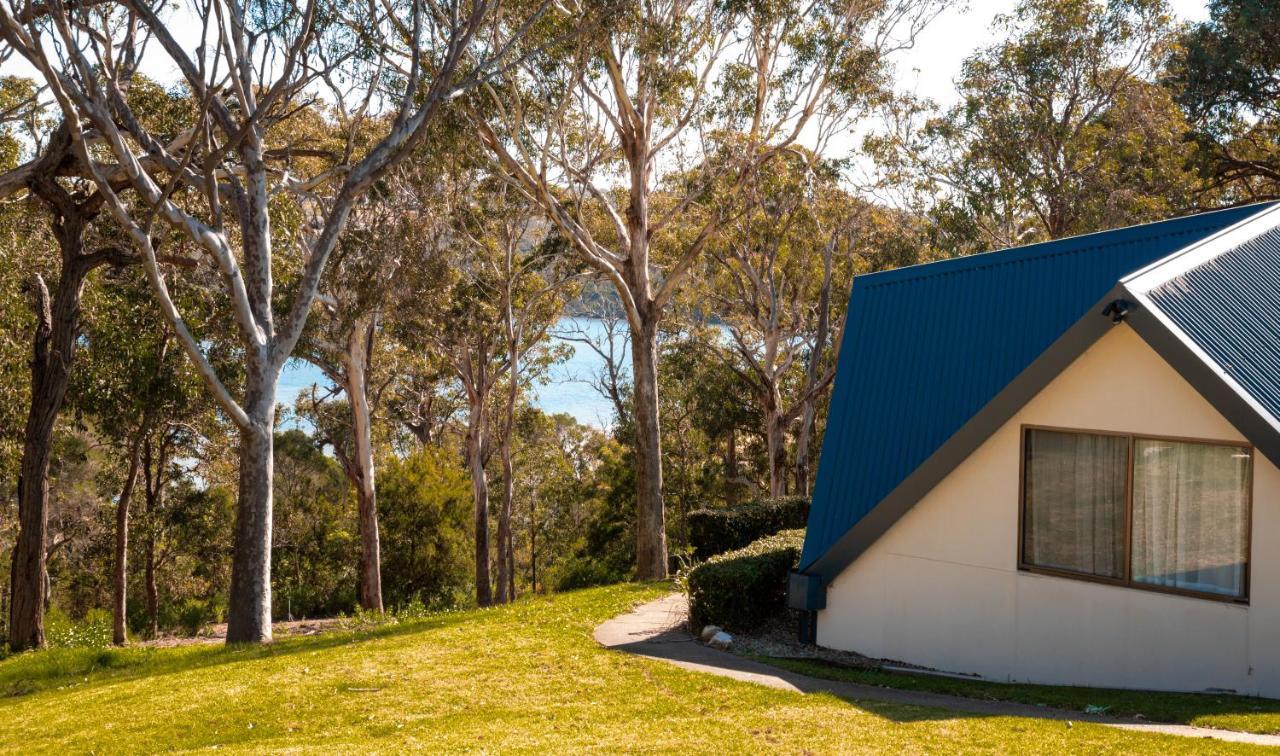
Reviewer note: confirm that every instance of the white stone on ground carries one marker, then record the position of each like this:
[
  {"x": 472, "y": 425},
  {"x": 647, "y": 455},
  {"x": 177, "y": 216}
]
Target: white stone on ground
[{"x": 720, "y": 640}]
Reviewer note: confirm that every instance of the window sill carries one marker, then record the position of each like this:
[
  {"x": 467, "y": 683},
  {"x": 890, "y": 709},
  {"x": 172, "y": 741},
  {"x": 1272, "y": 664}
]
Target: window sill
[{"x": 1242, "y": 603}]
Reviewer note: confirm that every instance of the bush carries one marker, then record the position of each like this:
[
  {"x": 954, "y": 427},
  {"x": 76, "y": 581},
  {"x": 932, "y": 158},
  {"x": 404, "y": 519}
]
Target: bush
[
  {"x": 583, "y": 572},
  {"x": 742, "y": 589},
  {"x": 194, "y": 614},
  {"x": 715, "y": 531}
]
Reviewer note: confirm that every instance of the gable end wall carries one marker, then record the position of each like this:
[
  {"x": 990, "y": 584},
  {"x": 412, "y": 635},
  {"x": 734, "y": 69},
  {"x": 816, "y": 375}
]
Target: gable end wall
[{"x": 941, "y": 588}]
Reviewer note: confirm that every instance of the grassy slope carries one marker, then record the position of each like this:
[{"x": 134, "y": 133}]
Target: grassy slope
[
  {"x": 1227, "y": 712},
  {"x": 523, "y": 678}
]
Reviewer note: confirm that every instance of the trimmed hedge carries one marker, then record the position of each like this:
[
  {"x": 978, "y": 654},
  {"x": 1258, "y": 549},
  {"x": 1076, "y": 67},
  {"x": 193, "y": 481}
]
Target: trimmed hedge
[
  {"x": 742, "y": 589},
  {"x": 715, "y": 531}
]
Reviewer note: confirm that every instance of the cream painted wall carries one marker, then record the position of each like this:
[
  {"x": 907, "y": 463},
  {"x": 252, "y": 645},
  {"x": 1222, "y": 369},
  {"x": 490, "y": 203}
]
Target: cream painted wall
[{"x": 941, "y": 588}]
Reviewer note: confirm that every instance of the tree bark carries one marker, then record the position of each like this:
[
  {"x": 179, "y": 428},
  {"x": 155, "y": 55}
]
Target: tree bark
[
  {"x": 533, "y": 545},
  {"x": 149, "y": 571},
  {"x": 153, "y": 467},
  {"x": 506, "y": 573},
  {"x": 53, "y": 350},
  {"x": 809, "y": 411},
  {"x": 359, "y": 345},
  {"x": 476, "y": 432},
  {"x": 120, "y": 578},
  {"x": 506, "y": 547},
  {"x": 651, "y": 525},
  {"x": 775, "y": 441},
  {"x": 249, "y": 615}
]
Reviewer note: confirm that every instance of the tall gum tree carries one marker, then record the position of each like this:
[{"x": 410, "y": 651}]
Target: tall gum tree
[
  {"x": 771, "y": 276},
  {"x": 489, "y": 316},
  {"x": 251, "y": 70},
  {"x": 389, "y": 239},
  {"x": 1062, "y": 129},
  {"x": 595, "y": 129}
]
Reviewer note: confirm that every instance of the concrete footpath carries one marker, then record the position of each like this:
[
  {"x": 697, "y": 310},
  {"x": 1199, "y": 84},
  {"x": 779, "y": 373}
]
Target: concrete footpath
[{"x": 658, "y": 630}]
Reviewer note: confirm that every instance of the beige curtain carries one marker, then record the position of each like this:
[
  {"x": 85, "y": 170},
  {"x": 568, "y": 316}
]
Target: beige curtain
[{"x": 1190, "y": 516}]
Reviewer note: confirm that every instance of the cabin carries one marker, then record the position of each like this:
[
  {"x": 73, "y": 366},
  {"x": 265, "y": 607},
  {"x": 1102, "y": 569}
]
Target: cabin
[{"x": 1060, "y": 463}]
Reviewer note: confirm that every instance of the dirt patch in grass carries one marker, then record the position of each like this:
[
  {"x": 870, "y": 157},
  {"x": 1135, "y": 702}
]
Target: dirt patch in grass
[{"x": 218, "y": 633}]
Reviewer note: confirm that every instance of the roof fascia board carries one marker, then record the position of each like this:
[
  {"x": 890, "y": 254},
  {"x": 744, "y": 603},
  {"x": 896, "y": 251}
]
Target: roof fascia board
[
  {"x": 1206, "y": 376},
  {"x": 1004, "y": 405},
  {"x": 1193, "y": 256}
]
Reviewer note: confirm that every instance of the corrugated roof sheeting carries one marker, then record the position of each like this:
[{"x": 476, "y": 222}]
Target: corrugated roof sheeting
[
  {"x": 927, "y": 347},
  {"x": 1229, "y": 306}
]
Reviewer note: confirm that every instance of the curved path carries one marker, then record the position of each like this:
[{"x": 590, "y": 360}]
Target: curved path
[{"x": 658, "y": 630}]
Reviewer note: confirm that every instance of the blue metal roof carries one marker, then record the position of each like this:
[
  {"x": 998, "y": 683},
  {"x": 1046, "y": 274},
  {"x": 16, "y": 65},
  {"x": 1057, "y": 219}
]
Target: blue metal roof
[
  {"x": 1229, "y": 306},
  {"x": 926, "y": 347}
]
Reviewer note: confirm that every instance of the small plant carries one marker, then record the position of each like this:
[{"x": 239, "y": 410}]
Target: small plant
[
  {"x": 583, "y": 572},
  {"x": 193, "y": 615},
  {"x": 415, "y": 609},
  {"x": 92, "y": 631},
  {"x": 742, "y": 589},
  {"x": 366, "y": 619}
]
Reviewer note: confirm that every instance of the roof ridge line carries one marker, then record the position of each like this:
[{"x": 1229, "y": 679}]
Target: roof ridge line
[
  {"x": 1192, "y": 256},
  {"x": 979, "y": 260}
]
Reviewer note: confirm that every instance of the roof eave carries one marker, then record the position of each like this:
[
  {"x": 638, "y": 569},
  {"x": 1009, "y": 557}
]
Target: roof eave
[{"x": 1154, "y": 327}]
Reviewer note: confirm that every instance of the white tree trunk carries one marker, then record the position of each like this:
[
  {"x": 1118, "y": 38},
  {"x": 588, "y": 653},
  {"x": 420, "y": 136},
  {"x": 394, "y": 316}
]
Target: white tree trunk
[
  {"x": 362, "y": 472},
  {"x": 249, "y": 616},
  {"x": 651, "y": 523}
]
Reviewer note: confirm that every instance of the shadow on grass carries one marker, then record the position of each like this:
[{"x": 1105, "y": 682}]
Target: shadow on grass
[
  {"x": 1226, "y": 711},
  {"x": 677, "y": 646}
]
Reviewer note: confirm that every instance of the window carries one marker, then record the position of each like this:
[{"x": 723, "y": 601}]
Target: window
[{"x": 1161, "y": 514}]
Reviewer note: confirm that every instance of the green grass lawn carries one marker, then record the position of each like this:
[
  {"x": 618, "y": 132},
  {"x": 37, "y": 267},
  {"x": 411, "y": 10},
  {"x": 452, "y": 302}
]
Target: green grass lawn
[
  {"x": 1227, "y": 712},
  {"x": 525, "y": 678}
]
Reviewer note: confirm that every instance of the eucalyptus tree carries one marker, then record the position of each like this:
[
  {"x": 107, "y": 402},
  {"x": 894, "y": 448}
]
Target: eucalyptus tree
[
  {"x": 637, "y": 102},
  {"x": 389, "y": 239},
  {"x": 1062, "y": 128},
  {"x": 82, "y": 246},
  {"x": 776, "y": 278},
  {"x": 488, "y": 323},
  {"x": 220, "y": 182},
  {"x": 1226, "y": 75}
]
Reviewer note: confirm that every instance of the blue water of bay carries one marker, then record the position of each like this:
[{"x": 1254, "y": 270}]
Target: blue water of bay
[{"x": 567, "y": 388}]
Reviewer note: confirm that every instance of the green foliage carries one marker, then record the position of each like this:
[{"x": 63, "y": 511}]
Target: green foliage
[
  {"x": 585, "y": 572},
  {"x": 313, "y": 565},
  {"x": 91, "y": 631},
  {"x": 605, "y": 549},
  {"x": 1063, "y": 128},
  {"x": 742, "y": 589},
  {"x": 717, "y": 530},
  {"x": 424, "y": 503},
  {"x": 193, "y": 614},
  {"x": 1227, "y": 77}
]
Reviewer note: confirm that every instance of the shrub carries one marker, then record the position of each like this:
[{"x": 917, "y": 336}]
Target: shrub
[
  {"x": 715, "y": 531},
  {"x": 740, "y": 590},
  {"x": 194, "y": 614},
  {"x": 583, "y": 572}
]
